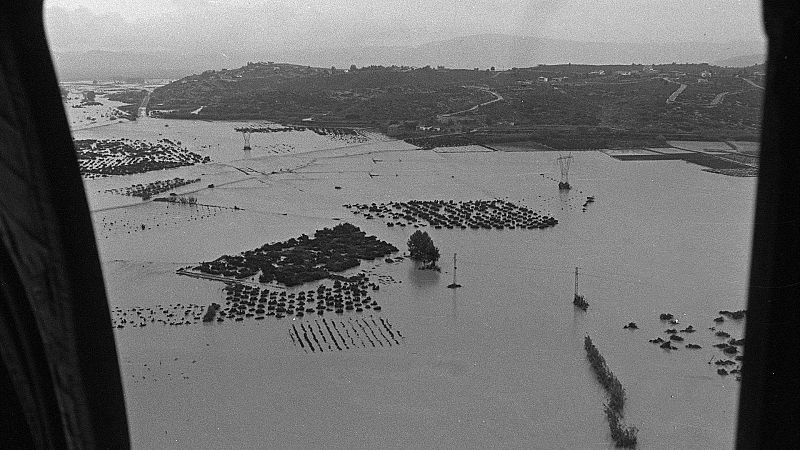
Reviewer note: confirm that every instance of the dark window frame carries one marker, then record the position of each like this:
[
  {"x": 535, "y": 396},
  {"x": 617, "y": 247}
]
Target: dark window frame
[{"x": 769, "y": 410}]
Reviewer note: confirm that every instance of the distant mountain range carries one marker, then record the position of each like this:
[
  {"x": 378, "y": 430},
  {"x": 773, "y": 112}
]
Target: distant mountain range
[
  {"x": 500, "y": 51},
  {"x": 106, "y": 65},
  {"x": 743, "y": 60}
]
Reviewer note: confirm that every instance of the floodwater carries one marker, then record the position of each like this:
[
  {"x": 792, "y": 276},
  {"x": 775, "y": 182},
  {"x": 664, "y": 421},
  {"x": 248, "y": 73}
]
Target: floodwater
[{"x": 498, "y": 363}]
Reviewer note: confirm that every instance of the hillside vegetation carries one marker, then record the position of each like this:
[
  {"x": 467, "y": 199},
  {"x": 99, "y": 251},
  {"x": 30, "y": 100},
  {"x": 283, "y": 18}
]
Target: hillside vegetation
[{"x": 630, "y": 105}]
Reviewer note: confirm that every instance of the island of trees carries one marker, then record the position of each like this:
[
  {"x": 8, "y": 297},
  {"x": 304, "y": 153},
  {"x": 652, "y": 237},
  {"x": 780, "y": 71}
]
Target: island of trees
[
  {"x": 103, "y": 157},
  {"x": 421, "y": 248},
  {"x": 303, "y": 259}
]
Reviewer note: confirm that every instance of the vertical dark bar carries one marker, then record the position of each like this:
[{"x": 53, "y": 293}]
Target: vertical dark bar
[
  {"x": 770, "y": 392},
  {"x": 69, "y": 237}
]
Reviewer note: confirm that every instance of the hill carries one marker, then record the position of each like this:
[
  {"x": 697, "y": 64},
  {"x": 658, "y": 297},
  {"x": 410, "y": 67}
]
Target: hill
[
  {"x": 743, "y": 60},
  {"x": 564, "y": 106},
  {"x": 291, "y": 93}
]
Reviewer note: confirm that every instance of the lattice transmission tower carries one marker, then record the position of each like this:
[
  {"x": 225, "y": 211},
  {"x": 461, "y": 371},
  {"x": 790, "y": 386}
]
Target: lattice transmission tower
[{"x": 564, "y": 163}]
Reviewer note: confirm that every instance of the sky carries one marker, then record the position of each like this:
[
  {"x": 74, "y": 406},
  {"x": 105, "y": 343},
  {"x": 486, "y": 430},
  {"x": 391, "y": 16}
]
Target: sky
[{"x": 228, "y": 25}]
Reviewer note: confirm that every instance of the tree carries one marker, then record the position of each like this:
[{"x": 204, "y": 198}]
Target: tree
[
  {"x": 421, "y": 248},
  {"x": 353, "y": 68}
]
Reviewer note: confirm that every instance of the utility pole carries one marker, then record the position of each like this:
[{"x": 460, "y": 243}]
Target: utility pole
[{"x": 454, "y": 285}]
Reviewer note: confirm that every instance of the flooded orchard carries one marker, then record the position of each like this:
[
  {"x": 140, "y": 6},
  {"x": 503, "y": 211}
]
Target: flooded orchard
[{"x": 499, "y": 362}]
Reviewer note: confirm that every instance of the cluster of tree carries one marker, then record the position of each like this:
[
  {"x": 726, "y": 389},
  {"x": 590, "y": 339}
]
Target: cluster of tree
[
  {"x": 303, "y": 259},
  {"x": 211, "y": 312},
  {"x": 134, "y": 96},
  {"x": 421, "y": 248},
  {"x": 623, "y": 436},
  {"x": 146, "y": 191},
  {"x": 174, "y": 198},
  {"x": 184, "y": 200}
]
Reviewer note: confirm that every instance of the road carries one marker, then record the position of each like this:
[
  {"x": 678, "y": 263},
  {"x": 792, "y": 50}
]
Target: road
[
  {"x": 142, "y": 112},
  {"x": 497, "y": 98},
  {"x": 750, "y": 82},
  {"x": 721, "y": 96},
  {"x": 718, "y": 99},
  {"x": 674, "y": 95},
  {"x": 226, "y": 280}
]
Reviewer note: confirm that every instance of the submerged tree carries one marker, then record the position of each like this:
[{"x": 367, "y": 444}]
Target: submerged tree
[{"x": 421, "y": 248}]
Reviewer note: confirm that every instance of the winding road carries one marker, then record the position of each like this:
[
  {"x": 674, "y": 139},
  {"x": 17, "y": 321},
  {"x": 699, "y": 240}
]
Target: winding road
[
  {"x": 497, "y": 98},
  {"x": 721, "y": 96},
  {"x": 718, "y": 99},
  {"x": 752, "y": 83},
  {"x": 142, "y": 112},
  {"x": 674, "y": 95}
]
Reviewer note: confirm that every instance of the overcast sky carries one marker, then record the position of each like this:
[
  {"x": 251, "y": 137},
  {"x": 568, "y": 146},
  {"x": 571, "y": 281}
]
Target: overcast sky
[{"x": 225, "y": 25}]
